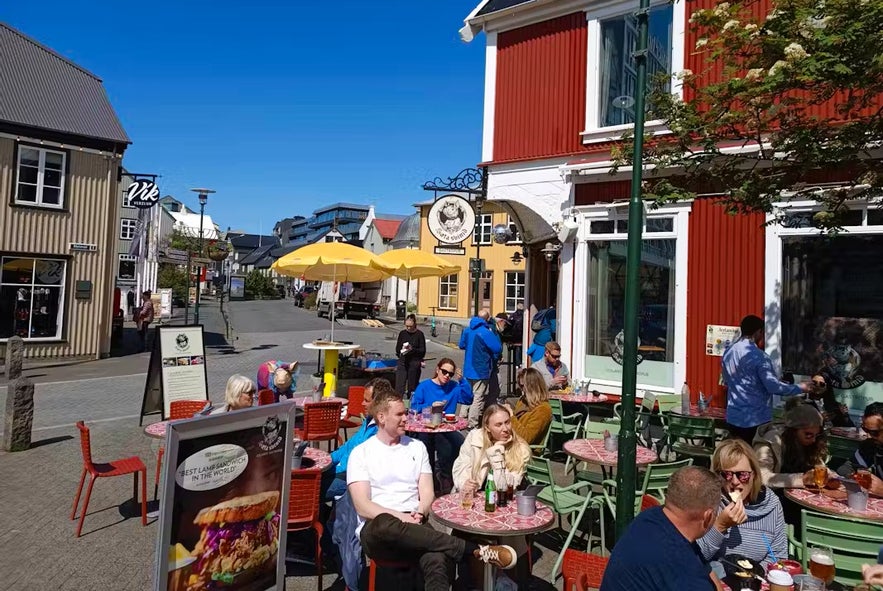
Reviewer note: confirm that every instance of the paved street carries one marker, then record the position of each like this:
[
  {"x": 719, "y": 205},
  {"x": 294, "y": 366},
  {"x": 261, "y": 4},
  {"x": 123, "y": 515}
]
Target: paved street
[{"x": 40, "y": 550}]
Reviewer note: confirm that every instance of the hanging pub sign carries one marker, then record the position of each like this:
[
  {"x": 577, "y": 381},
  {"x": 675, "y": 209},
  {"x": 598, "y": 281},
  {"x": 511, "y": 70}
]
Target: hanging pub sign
[
  {"x": 143, "y": 194},
  {"x": 451, "y": 219},
  {"x": 224, "y": 502}
]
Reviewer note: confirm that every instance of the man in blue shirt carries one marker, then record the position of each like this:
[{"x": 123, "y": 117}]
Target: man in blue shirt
[
  {"x": 751, "y": 382},
  {"x": 658, "y": 551}
]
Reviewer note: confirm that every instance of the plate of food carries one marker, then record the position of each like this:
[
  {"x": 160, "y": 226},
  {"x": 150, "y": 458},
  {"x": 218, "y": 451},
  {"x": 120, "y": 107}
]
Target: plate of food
[{"x": 742, "y": 572}]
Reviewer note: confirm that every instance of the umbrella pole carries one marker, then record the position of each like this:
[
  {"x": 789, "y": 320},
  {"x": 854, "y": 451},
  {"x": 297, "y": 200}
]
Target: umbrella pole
[{"x": 334, "y": 302}]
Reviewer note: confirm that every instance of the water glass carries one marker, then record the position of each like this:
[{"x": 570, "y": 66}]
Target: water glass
[
  {"x": 426, "y": 414},
  {"x": 467, "y": 499}
]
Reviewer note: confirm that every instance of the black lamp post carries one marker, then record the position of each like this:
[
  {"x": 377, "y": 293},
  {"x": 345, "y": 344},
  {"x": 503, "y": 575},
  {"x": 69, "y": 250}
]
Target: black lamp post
[{"x": 203, "y": 198}]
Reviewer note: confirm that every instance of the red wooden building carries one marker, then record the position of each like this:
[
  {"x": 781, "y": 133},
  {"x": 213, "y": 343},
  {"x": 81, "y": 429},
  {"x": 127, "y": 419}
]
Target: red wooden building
[{"x": 559, "y": 90}]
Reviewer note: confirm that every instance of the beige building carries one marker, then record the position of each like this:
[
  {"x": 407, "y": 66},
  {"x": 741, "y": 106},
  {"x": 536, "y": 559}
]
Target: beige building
[{"x": 61, "y": 148}]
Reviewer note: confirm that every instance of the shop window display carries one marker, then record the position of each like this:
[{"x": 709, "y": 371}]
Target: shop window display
[{"x": 31, "y": 297}]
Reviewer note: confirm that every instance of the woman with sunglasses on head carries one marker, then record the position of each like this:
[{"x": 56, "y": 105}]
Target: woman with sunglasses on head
[
  {"x": 449, "y": 388},
  {"x": 789, "y": 451},
  {"x": 533, "y": 413},
  {"x": 750, "y": 513}
]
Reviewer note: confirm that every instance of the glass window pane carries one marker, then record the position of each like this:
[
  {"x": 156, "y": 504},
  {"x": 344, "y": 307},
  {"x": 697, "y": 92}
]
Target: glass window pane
[
  {"x": 617, "y": 66},
  {"x": 27, "y": 174},
  {"x": 875, "y": 216},
  {"x": 20, "y": 271},
  {"x": 30, "y": 157},
  {"x": 622, "y": 226},
  {"x": 601, "y": 227},
  {"x": 660, "y": 224},
  {"x": 51, "y": 196},
  {"x": 47, "y": 303},
  {"x": 27, "y": 193},
  {"x": 48, "y": 272},
  {"x": 15, "y": 311},
  {"x": 853, "y": 217},
  {"x": 127, "y": 270},
  {"x": 52, "y": 178},
  {"x": 54, "y": 161}
]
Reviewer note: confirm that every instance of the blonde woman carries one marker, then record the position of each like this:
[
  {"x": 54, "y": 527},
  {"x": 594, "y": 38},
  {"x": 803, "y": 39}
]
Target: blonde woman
[
  {"x": 239, "y": 394},
  {"x": 533, "y": 413},
  {"x": 750, "y": 513}
]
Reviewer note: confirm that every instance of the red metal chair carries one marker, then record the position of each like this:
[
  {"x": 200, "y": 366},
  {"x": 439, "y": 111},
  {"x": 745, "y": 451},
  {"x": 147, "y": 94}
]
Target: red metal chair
[
  {"x": 582, "y": 571},
  {"x": 321, "y": 422},
  {"x": 355, "y": 408},
  {"x": 265, "y": 397},
  {"x": 132, "y": 465},
  {"x": 649, "y": 501},
  {"x": 303, "y": 509},
  {"x": 178, "y": 411}
]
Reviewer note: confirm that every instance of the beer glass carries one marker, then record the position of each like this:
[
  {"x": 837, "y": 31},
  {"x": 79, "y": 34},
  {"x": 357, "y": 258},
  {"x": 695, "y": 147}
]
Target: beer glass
[
  {"x": 820, "y": 475},
  {"x": 467, "y": 498},
  {"x": 863, "y": 479},
  {"x": 821, "y": 563}
]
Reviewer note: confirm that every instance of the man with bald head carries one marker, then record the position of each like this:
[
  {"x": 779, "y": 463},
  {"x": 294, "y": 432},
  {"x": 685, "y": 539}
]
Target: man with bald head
[
  {"x": 483, "y": 349},
  {"x": 658, "y": 551}
]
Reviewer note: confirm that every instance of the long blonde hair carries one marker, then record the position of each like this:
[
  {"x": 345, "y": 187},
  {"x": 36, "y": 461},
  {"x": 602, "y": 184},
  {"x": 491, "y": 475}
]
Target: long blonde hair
[
  {"x": 516, "y": 452},
  {"x": 534, "y": 388}
]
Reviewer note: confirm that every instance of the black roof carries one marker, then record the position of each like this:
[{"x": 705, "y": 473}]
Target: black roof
[
  {"x": 256, "y": 255},
  {"x": 250, "y": 241},
  {"x": 42, "y": 89},
  {"x": 498, "y": 5}
]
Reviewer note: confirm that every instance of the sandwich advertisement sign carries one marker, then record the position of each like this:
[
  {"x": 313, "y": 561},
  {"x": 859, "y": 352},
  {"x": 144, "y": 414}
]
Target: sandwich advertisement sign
[{"x": 224, "y": 504}]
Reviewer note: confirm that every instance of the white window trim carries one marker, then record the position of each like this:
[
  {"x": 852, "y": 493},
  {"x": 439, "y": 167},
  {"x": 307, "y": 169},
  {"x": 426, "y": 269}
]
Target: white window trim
[
  {"x": 125, "y": 226},
  {"x": 773, "y": 269},
  {"x": 456, "y": 282},
  {"x": 593, "y": 132},
  {"x": 126, "y": 201},
  {"x": 506, "y": 285},
  {"x": 510, "y": 223},
  {"x": 62, "y": 286},
  {"x": 680, "y": 233},
  {"x": 41, "y": 171},
  {"x": 480, "y": 225}
]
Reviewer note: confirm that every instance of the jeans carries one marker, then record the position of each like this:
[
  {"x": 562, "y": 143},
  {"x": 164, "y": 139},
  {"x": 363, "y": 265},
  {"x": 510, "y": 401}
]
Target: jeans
[
  {"x": 332, "y": 486},
  {"x": 388, "y": 538}
]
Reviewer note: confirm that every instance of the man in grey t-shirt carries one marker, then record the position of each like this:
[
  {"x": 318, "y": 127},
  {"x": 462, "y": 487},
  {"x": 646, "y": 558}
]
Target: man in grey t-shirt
[{"x": 554, "y": 371}]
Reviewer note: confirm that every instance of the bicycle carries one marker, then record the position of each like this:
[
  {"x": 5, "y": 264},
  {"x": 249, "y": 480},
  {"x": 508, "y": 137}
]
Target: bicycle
[{"x": 433, "y": 329}]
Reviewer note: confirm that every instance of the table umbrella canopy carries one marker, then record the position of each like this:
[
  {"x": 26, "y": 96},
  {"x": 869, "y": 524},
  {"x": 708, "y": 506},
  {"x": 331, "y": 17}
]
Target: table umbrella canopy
[
  {"x": 416, "y": 264},
  {"x": 333, "y": 261}
]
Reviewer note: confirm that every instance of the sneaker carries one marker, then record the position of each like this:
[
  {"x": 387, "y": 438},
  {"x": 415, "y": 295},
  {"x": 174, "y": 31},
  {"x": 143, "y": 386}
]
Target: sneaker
[{"x": 500, "y": 556}]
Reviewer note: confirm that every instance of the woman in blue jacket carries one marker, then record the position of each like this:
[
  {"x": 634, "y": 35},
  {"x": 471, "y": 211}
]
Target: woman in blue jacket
[{"x": 451, "y": 389}]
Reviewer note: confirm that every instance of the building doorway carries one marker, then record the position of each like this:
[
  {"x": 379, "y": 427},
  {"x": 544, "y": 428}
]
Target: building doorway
[{"x": 485, "y": 292}]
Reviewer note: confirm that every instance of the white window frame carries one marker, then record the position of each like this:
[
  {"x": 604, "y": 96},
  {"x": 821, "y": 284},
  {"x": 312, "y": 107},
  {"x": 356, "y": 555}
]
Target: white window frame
[
  {"x": 594, "y": 132},
  {"x": 41, "y": 171},
  {"x": 774, "y": 271},
  {"x": 62, "y": 292},
  {"x": 516, "y": 235},
  {"x": 578, "y": 308},
  {"x": 128, "y": 228},
  {"x": 127, "y": 258},
  {"x": 484, "y": 221},
  {"x": 522, "y": 284},
  {"x": 127, "y": 203},
  {"x": 447, "y": 282}
]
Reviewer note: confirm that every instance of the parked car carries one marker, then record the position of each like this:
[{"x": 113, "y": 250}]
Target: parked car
[{"x": 301, "y": 294}]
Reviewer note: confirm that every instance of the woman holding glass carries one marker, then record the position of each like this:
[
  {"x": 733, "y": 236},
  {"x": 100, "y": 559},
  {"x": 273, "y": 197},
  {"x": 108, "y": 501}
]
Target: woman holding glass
[
  {"x": 792, "y": 454},
  {"x": 750, "y": 514}
]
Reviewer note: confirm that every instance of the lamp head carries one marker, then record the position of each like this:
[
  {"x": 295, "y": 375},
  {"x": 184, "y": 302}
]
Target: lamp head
[
  {"x": 203, "y": 194},
  {"x": 550, "y": 251}
]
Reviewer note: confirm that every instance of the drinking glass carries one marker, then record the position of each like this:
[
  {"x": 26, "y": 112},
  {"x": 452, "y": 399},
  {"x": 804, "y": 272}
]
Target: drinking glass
[
  {"x": 821, "y": 563},
  {"x": 467, "y": 498},
  {"x": 863, "y": 479},
  {"x": 820, "y": 475},
  {"x": 426, "y": 414}
]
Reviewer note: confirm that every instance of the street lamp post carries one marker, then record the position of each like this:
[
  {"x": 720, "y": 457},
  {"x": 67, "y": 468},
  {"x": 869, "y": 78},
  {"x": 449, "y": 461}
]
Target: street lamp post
[
  {"x": 625, "y": 470},
  {"x": 203, "y": 198}
]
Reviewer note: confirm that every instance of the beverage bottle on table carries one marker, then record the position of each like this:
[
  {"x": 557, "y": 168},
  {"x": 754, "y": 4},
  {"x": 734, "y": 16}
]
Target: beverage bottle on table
[
  {"x": 685, "y": 399},
  {"x": 501, "y": 486},
  {"x": 490, "y": 494}
]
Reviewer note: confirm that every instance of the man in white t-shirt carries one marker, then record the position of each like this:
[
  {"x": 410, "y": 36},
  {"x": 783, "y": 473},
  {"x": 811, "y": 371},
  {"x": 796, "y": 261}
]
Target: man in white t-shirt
[{"x": 390, "y": 481}]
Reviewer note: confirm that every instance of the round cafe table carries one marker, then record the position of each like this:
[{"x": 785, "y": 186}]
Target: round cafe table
[
  {"x": 419, "y": 426},
  {"x": 825, "y": 503},
  {"x": 566, "y": 396},
  {"x": 592, "y": 451},
  {"x": 331, "y": 362},
  {"x": 321, "y": 459},
  {"x": 157, "y": 430},
  {"x": 503, "y": 522},
  {"x": 300, "y": 402},
  {"x": 849, "y": 433}
]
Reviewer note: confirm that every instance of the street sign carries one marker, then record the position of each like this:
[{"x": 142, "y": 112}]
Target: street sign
[
  {"x": 83, "y": 247},
  {"x": 143, "y": 194},
  {"x": 450, "y": 250}
]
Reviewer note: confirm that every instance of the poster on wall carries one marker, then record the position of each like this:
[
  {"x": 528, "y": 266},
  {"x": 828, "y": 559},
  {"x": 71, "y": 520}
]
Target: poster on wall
[
  {"x": 177, "y": 369},
  {"x": 237, "y": 287},
  {"x": 224, "y": 503},
  {"x": 718, "y": 338},
  {"x": 165, "y": 303}
]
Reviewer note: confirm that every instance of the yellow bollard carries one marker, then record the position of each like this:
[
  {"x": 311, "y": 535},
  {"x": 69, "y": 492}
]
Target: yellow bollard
[{"x": 330, "y": 377}]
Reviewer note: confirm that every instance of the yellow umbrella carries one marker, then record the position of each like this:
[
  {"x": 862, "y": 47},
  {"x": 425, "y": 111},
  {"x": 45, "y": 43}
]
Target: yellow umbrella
[
  {"x": 416, "y": 264},
  {"x": 333, "y": 261}
]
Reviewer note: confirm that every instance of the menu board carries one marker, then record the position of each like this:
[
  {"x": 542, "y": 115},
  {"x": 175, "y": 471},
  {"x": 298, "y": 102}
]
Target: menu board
[
  {"x": 165, "y": 303},
  {"x": 224, "y": 503},
  {"x": 718, "y": 338},
  {"x": 177, "y": 369}
]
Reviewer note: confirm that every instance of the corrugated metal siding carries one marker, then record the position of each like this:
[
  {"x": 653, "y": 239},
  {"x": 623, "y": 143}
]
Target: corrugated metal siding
[
  {"x": 89, "y": 219},
  {"x": 541, "y": 89},
  {"x": 604, "y": 192},
  {"x": 725, "y": 269}
]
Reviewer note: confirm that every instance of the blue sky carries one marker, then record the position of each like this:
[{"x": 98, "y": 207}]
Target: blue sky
[{"x": 284, "y": 106}]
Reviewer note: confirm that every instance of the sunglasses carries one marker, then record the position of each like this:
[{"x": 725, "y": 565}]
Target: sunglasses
[
  {"x": 818, "y": 383},
  {"x": 555, "y": 356},
  {"x": 446, "y": 372},
  {"x": 743, "y": 475}
]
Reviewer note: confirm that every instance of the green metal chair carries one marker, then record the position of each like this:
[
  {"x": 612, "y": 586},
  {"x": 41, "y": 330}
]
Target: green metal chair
[
  {"x": 665, "y": 402},
  {"x": 564, "y": 500},
  {"x": 841, "y": 449},
  {"x": 690, "y": 436},
  {"x": 539, "y": 449},
  {"x": 854, "y": 542},
  {"x": 657, "y": 476},
  {"x": 562, "y": 425}
]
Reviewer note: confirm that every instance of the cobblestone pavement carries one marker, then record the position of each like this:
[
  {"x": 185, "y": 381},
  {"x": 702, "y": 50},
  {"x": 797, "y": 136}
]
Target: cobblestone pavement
[{"x": 116, "y": 552}]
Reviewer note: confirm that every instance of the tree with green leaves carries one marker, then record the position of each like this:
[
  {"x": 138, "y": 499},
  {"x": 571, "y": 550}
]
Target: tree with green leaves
[{"x": 783, "y": 98}]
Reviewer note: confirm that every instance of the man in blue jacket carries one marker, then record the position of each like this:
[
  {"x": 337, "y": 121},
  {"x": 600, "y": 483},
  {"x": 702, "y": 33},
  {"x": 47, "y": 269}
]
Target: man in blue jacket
[
  {"x": 483, "y": 348},
  {"x": 334, "y": 482}
]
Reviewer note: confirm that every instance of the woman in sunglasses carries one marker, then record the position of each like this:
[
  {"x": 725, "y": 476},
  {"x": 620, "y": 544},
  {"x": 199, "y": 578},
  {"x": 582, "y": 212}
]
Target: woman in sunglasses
[
  {"x": 449, "y": 388},
  {"x": 750, "y": 513}
]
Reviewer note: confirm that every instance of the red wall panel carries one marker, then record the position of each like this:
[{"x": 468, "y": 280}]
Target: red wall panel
[
  {"x": 541, "y": 89},
  {"x": 725, "y": 281},
  {"x": 604, "y": 192}
]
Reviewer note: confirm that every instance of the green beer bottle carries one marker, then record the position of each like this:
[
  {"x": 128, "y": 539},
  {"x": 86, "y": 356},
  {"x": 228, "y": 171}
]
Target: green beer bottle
[{"x": 490, "y": 494}]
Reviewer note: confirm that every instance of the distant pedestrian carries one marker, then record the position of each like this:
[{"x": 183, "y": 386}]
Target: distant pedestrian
[
  {"x": 130, "y": 303},
  {"x": 410, "y": 349},
  {"x": 145, "y": 318},
  {"x": 483, "y": 349}
]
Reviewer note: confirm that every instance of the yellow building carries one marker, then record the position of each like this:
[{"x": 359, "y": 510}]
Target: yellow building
[{"x": 501, "y": 286}]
